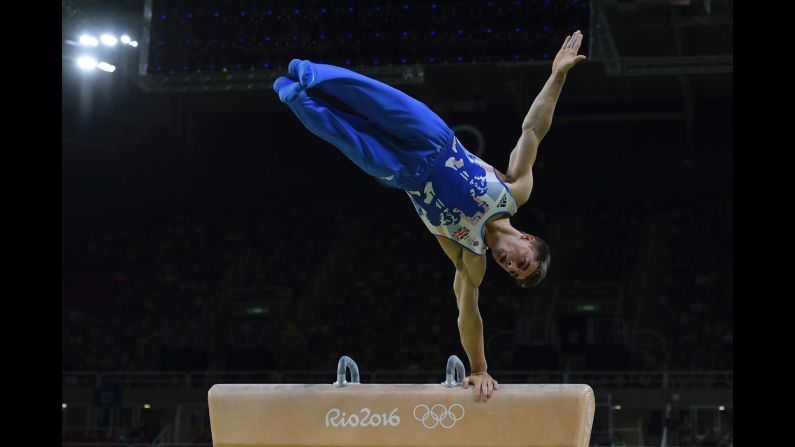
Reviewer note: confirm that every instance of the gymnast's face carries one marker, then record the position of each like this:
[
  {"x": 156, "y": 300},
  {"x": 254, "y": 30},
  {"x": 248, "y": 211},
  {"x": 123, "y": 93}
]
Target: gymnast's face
[{"x": 515, "y": 255}]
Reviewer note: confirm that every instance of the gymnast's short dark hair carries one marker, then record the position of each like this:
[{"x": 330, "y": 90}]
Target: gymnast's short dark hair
[{"x": 541, "y": 251}]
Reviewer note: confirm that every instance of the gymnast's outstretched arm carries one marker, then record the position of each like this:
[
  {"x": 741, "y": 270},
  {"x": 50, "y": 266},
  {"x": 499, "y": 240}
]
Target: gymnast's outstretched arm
[
  {"x": 538, "y": 120},
  {"x": 469, "y": 271}
]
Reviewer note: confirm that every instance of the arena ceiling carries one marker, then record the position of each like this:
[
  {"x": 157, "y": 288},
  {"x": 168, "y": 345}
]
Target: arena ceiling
[{"x": 642, "y": 50}]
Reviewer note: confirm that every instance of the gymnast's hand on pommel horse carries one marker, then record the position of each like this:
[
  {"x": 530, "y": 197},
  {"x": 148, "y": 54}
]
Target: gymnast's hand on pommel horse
[{"x": 464, "y": 202}]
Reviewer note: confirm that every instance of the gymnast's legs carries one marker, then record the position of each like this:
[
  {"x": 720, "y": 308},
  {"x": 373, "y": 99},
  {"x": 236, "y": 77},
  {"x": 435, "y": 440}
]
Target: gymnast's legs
[{"x": 396, "y": 136}]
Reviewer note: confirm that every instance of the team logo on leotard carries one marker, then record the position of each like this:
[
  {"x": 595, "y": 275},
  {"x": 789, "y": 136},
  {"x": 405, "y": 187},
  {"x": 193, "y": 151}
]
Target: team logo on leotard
[
  {"x": 461, "y": 233},
  {"x": 438, "y": 415}
]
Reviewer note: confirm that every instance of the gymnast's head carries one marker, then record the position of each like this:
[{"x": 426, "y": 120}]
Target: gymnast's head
[{"x": 525, "y": 257}]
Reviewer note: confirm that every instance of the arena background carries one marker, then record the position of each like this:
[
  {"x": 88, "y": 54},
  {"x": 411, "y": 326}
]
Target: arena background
[{"x": 208, "y": 237}]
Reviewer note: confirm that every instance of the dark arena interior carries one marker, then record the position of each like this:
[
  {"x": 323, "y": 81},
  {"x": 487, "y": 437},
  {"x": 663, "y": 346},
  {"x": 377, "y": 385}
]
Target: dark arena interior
[{"x": 210, "y": 238}]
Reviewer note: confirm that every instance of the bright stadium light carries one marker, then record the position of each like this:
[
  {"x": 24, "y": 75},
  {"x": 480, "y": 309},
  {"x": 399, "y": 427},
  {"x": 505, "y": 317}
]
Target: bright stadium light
[
  {"x": 134, "y": 43},
  {"x": 104, "y": 66},
  {"x": 147, "y": 406},
  {"x": 125, "y": 39},
  {"x": 63, "y": 406},
  {"x": 108, "y": 40},
  {"x": 722, "y": 408},
  {"x": 87, "y": 63},
  {"x": 617, "y": 407},
  {"x": 88, "y": 40}
]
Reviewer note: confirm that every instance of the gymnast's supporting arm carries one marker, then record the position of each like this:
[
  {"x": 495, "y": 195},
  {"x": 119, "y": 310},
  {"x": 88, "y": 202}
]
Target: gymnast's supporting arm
[
  {"x": 470, "y": 324},
  {"x": 469, "y": 271},
  {"x": 468, "y": 276}
]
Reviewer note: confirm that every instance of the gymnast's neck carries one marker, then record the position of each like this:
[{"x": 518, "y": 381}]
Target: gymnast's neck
[{"x": 497, "y": 226}]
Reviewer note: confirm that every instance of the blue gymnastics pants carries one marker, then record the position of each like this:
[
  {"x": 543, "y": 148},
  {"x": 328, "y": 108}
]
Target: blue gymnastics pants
[{"x": 393, "y": 136}]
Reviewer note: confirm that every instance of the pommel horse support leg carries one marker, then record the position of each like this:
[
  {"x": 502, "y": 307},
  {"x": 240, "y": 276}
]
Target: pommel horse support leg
[{"x": 399, "y": 415}]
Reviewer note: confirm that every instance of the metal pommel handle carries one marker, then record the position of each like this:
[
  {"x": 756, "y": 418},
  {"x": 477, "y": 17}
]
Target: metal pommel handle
[
  {"x": 454, "y": 366},
  {"x": 346, "y": 363}
]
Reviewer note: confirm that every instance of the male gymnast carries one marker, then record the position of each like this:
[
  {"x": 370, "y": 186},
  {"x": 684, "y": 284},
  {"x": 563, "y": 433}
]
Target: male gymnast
[{"x": 465, "y": 202}]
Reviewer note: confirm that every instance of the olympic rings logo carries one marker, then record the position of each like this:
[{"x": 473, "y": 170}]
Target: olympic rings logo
[{"x": 439, "y": 415}]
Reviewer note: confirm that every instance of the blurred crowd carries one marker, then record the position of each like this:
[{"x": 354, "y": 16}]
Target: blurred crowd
[
  {"x": 141, "y": 293},
  {"x": 696, "y": 301}
]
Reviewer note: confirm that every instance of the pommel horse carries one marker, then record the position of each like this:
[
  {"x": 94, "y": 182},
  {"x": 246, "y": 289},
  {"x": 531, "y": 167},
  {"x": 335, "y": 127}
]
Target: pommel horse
[{"x": 347, "y": 414}]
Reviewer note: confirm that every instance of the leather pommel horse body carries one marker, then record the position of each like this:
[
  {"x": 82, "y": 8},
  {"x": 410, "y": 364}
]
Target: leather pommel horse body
[{"x": 400, "y": 415}]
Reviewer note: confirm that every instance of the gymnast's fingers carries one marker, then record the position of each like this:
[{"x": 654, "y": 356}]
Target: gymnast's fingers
[{"x": 565, "y": 42}]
